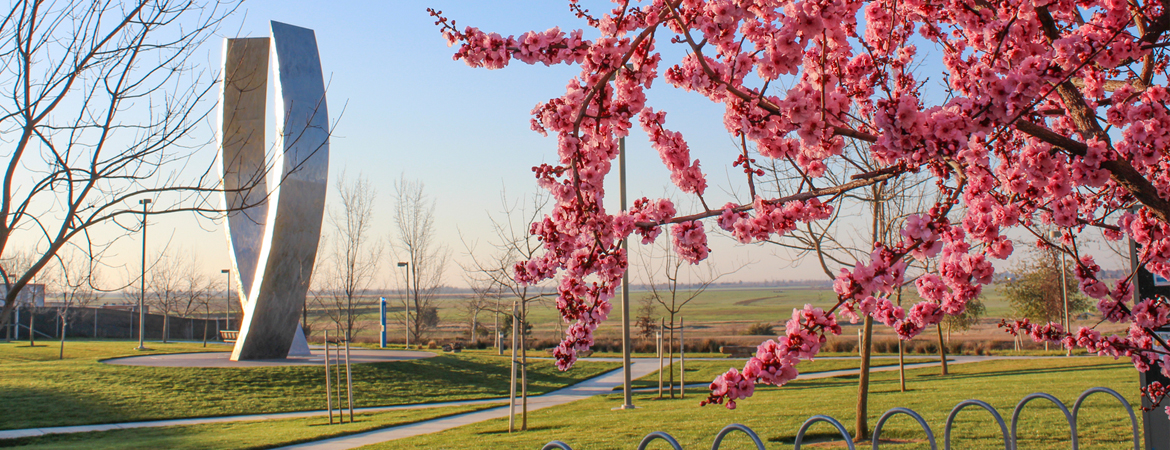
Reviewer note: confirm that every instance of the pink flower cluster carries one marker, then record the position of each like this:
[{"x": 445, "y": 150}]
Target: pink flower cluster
[
  {"x": 1054, "y": 117},
  {"x": 775, "y": 361},
  {"x": 770, "y": 218}
]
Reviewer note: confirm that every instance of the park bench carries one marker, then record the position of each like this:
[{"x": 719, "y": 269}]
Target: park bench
[
  {"x": 735, "y": 351},
  {"x": 229, "y": 336}
]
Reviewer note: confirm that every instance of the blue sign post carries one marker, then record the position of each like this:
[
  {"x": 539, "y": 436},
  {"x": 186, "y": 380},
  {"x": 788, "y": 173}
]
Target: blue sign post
[{"x": 382, "y": 315}]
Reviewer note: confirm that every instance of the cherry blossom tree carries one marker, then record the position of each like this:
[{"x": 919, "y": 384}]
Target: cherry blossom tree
[{"x": 1054, "y": 115}]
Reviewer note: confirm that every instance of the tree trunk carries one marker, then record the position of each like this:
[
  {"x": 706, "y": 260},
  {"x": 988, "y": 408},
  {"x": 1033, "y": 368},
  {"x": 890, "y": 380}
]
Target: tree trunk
[
  {"x": 512, "y": 384},
  {"x": 670, "y": 359},
  {"x": 32, "y": 333},
  {"x": 901, "y": 352},
  {"x": 166, "y": 327},
  {"x": 863, "y": 383},
  {"x": 205, "y": 330},
  {"x": 942, "y": 349},
  {"x": 523, "y": 371},
  {"x": 902, "y": 365},
  {"x": 61, "y": 354}
]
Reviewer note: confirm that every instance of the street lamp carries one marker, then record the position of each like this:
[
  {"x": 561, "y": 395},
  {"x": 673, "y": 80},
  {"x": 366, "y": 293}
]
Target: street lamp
[
  {"x": 1063, "y": 286},
  {"x": 227, "y": 286},
  {"x": 142, "y": 280},
  {"x": 406, "y": 301},
  {"x": 627, "y": 394}
]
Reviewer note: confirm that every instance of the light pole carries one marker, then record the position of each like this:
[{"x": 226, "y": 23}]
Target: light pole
[
  {"x": 1063, "y": 287},
  {"x": 382, "y": 319},
  {"x": 142, "y": 280},
  {"x": 627, "y": 394},
  {"x": 406, "y": 301},
  {"x": 227, "y": 286}
]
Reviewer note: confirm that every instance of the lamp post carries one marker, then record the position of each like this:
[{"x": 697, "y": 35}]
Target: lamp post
[
  {"x": 227, "y": 287},
  {"x": 627, "y": 394},
  {"x": 406, "y": 301},
  {"x": 142, "y": 280},
  {"x": 382, "y": 319},
  {"x": 1063, "y": 287}
]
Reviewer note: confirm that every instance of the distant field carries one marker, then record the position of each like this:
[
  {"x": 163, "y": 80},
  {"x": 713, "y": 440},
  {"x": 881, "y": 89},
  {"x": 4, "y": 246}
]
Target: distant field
[{"x": 721, "y": 313}]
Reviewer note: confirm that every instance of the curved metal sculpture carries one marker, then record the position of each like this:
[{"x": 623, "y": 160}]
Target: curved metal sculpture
[{"x": 273, "y": 232}]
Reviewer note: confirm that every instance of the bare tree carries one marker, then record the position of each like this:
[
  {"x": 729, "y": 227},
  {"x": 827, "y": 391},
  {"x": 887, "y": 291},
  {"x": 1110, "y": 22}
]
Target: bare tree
[
  {"x": 196, "y": 291},
  {"x": 510, "y": 244},
  {"x": 673, "y": 283},
  {"x": 838, "y": 243},
  {"x": 21, "y": 261},
  {"x": 78, "y": 276},
  {"x": 104, "y": 102},
  {"x": 414, "y": 240},
  {"x": 164, "y": 287},
  {"x": 483, "y": 298},
  {"x": 351, "y": 261}
]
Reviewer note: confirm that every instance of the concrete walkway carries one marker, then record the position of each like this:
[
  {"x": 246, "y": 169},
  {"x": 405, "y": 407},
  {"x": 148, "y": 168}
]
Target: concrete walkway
[
  {"x": 600, "y": 385},
  {"x": 33, "y": 432}
]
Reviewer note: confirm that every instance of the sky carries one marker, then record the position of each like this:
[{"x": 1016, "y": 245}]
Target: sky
[{"x": 403, "y": 108}]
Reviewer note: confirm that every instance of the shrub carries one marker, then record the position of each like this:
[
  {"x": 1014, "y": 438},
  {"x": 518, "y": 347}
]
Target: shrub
[{"x": 759, "y": 329}]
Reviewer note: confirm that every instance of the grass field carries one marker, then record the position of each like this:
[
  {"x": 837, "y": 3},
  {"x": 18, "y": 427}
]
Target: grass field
[
  {"x": 776, "y": 413},
  {"x": 36, "y": 390},
  {"x": 705, "y": 371},
  {"x": 239, "y": 435},
  {"x": 722, "y": 312}
]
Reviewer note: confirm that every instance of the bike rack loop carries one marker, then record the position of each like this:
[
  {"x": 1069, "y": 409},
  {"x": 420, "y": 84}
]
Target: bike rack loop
[
  {"x": 551, "y": 445},
  {"x": 658, "y": 435},
  {"x": 1132, "y": 418},
  {"x": 1072, "y": 424},
  {"x": 877, "y": 430},
  {"x": 733, "y": 427},
  {"x": 819, "y": 418},
  {"x": 1007, "y": 444}
]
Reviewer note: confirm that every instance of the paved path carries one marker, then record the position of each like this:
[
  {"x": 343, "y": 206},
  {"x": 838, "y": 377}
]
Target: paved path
[
  {"x": 33, "y": 432},
  {"x": 600, "y": 385}
]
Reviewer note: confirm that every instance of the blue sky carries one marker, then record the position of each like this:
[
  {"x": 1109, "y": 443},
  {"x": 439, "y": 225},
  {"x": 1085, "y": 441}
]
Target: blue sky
[{"x": 402, "y": 106}]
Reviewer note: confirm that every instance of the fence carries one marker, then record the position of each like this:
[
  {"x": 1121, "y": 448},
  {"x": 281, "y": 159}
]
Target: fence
[
  {"x": 1009, "y": 437},
  {"x": 110, "y": 323}
]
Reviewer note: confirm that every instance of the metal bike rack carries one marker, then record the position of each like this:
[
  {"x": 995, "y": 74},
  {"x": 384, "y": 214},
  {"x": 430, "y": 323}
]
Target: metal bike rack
[
  {"x": 1072, "y": 424},
  {"x": 737, "y": 427},
  {"x": 1009, "y": 438},
  {"x": 819, "y": 418},
  {"x": 877, "y": 430},
  {"x": 659, "y": 435}
]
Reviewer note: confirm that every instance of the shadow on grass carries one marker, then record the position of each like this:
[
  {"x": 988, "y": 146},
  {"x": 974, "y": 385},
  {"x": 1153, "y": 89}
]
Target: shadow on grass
[
  {"x": 530, "y": 428},
  {"x": 45, "y": 403}
]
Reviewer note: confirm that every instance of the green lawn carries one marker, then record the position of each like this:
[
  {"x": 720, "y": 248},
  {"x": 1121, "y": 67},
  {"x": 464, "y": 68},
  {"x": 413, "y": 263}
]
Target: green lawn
[
  {"x": 35, "y": 392},
  {"x": 238, "y": 435},
  {"x": 705, "y": 371},
  {"x": 776, "y": 413}
]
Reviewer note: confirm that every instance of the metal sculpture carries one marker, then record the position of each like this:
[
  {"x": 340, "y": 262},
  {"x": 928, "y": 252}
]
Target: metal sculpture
[{"x": 276, "y": 201}]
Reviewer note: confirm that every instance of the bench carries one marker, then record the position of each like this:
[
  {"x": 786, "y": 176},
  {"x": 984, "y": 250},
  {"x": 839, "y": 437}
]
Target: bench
[
  {"x": 229, "y": 336},
  {"x": 734, "y": 351}
]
